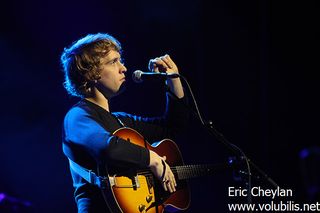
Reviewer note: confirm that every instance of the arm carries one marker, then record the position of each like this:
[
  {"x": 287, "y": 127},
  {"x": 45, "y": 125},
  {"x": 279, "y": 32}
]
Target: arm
[
  {"x": 83, "y": 134},
  {"x": 175, "y": 118},
  {"x": 82, "y": 131},
  {"x": 157, "y": 164}
]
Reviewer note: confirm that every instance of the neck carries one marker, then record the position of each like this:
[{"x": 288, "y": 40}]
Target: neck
[{"x": 99, "y": 99}]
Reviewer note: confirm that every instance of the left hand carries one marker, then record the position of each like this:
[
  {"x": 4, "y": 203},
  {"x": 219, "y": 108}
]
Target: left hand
[{"x": 163, "y": 64}]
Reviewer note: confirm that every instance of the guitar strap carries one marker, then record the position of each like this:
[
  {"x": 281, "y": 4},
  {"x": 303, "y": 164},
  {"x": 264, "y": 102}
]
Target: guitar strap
[
  {"x": 88, "y": 175},
  {"x": 119, "y": 121}
]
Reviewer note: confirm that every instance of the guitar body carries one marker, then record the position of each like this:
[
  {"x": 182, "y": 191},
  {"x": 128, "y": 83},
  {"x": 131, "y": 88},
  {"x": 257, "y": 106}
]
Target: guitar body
[{"x": 140, "y": 191}]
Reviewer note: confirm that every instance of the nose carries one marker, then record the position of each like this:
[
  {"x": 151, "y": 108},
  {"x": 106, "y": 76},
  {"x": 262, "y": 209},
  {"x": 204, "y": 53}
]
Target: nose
[{"x": 123, "y": 69}]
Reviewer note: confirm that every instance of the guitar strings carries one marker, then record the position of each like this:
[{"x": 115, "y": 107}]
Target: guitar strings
[{"x": 185, "y": 171}]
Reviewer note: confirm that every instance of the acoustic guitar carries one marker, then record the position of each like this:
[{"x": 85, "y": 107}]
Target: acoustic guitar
[{"x": 140, "y": 191}]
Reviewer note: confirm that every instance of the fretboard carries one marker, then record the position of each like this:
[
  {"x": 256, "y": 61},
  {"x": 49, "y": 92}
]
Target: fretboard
[{"x": 193, "y": 171}]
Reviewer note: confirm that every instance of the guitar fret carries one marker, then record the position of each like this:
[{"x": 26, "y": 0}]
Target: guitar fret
[{"x": 191, "y": 171}]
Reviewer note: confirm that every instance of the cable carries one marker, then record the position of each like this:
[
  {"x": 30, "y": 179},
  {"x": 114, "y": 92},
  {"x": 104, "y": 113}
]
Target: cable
[{"x": 219, "y": 136}]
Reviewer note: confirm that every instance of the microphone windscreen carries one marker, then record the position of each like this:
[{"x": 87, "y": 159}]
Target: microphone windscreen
[{"x": 136, "y": 76}]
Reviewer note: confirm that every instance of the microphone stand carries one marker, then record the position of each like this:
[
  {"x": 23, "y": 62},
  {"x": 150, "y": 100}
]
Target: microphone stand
[
  {"x": 212, "y": 130},
  {"x": 220, "y": 137}
]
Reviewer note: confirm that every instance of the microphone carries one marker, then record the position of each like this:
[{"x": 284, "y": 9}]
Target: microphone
[{"x": 138, "y": 76}]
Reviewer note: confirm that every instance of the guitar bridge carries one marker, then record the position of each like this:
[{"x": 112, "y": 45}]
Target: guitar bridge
[{"x": 124, "y": 182}]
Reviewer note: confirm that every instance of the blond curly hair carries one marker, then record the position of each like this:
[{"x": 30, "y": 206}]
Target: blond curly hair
[{"x": 81, "y": 62}]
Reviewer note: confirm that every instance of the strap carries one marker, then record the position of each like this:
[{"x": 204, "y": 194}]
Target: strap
[
  {"x": 88, "y": 175},
  {"x": 164, "y": 170},
  {"x": 119, "y": 121}
]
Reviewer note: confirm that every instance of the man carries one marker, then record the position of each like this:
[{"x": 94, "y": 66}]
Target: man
[{"x": 95, "y": 73}]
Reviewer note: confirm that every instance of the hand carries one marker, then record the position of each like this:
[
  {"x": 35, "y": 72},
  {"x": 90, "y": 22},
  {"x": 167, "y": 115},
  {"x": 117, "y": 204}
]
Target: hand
[
  {"x": 162, "y": 171},
  {"x": 163, "y": 64}
]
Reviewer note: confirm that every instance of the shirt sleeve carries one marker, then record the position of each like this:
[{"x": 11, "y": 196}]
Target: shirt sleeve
[
  {"x": 83, "y": 132},
  {"x": 173, "y": 121}
]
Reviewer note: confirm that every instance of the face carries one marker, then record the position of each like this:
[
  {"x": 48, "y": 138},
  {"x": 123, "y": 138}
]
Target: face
[{"x": 112, "y": 74}]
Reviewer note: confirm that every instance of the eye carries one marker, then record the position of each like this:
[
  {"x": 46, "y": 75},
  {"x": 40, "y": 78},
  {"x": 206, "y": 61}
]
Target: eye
[{"x": 114, "y": 61}]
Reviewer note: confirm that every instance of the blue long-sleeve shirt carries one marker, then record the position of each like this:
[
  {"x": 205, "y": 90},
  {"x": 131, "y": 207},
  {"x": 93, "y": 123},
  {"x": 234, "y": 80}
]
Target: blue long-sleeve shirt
[{"x": 88, "y": 141}]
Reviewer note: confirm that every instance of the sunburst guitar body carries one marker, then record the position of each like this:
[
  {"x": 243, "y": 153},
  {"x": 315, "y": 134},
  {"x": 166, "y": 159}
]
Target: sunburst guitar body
[{"x": 139, "y": 191}]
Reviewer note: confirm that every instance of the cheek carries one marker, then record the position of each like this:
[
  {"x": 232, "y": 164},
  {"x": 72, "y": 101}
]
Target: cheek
[
  {"x": 108, "y": 79},
  {"x": 106, "y": 76}
]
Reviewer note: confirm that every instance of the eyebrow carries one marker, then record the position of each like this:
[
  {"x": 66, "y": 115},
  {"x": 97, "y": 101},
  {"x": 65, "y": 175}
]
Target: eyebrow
[{"x": 111, "y": 59}]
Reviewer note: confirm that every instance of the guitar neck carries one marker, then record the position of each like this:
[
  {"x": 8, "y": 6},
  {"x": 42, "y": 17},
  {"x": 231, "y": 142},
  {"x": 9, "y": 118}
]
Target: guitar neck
[{"x": 193, "y": 171}]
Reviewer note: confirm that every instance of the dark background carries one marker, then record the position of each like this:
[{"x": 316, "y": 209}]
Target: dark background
[{"x": 252, "y": 65}]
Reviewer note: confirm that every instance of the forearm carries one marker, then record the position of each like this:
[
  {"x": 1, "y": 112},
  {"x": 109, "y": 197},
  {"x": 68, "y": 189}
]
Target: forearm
[
  {"x": 155, "y": 159},
  {"x": 175, "y": 87}
]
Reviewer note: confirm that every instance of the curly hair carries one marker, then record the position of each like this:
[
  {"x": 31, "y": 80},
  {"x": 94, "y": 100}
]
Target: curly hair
[{"x": 81, "y": 62}]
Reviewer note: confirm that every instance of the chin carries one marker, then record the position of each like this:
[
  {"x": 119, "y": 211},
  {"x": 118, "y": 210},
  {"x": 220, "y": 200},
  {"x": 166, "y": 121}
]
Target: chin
[{"x": 120, "y": 90}]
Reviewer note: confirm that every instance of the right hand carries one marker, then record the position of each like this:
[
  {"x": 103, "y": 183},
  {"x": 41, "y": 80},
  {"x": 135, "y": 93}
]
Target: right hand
[
  {"x": 162, "y": 171},
  {"x": 167, "y": 65},
  {"x": 163, "y": 64}
]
